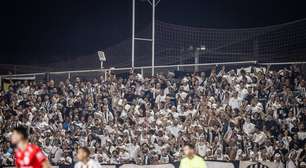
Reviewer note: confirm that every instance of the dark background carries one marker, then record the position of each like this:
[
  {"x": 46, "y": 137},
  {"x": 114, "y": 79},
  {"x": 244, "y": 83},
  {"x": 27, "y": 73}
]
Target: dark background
[{"x": 47, "y": 31}]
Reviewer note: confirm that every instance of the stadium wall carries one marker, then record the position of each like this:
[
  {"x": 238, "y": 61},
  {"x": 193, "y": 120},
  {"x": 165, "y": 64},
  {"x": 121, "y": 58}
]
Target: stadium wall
[{"x": 209, "y": 164}]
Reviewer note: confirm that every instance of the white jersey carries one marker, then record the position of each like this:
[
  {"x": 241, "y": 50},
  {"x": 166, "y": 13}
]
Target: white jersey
[{"x": 90, "y": 164}]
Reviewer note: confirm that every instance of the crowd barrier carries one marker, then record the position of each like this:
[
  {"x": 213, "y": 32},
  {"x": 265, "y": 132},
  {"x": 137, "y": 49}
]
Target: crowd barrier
[{"x": 209, "y": 164}]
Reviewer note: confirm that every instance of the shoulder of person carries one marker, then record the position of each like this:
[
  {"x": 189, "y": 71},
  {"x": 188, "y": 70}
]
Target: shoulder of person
[
  {"x": 33, "y": 147},
  {"x": 197, "y": 157},
  {"x": 78, "y": 164},
  {"x": 94, "y": 162},
  {"x": 185, "y": 159}
]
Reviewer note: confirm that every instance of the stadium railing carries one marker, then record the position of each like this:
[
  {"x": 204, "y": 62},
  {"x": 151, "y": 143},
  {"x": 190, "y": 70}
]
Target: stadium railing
[{"x": 144, "y": 70}]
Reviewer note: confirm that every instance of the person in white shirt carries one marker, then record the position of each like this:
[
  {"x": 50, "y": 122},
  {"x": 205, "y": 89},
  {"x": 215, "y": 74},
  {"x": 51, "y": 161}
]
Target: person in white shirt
[
  {"x": 248, "y": 127},
  {"x": 235, "y": 101},
  {"x": 291, "y": 163},
  {"x": 259, "y": 137},
  {"x": 57, "y": 153},
  {"x": 278, "y": 161},
  {"x": 202, "y": 147},
  {"x": 84, "y": 160}
]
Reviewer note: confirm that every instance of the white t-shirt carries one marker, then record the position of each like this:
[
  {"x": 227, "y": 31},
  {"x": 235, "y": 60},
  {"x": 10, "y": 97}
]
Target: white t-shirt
[
  {"x": 58, "y": 153},
  {"x": 243, "y": 93},
  {"x": 132, "y": 150},
  {"x": 234, "y": 102},
  {"x": 202, "y": 149},
  {"x": 174, "y": 130},
  {"x": 260, "y": 137},
  {"x": 160, "y": 98},
  {"x": 290, "y": 164},
  {"x": 90, "y": 164},
  {"x": 248, "y": 127},
  {"x": 301, "y": 135}
]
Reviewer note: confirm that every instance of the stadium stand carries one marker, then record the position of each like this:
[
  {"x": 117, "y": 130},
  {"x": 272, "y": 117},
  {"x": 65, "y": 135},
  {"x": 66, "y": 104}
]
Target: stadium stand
[{"x": 247, "y": 114}]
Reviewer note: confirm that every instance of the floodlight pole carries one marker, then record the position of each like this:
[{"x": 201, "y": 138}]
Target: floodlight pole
[
  {"x": 153, "y": 36},
  {"x": 153, "y": 3},
  {"x": 101, "y": 64},
  {"x": 102, "y": 68},
  {"x": 133, "y": 35}
]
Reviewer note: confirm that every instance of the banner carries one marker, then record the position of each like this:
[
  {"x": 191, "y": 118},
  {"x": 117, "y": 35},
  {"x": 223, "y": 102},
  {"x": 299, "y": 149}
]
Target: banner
[
  {"x": 213, "y": 164},
  {"x": 147, "y": 166},
  {"x": 249, "y": 164},
  {"x": 108, "y": 166}
]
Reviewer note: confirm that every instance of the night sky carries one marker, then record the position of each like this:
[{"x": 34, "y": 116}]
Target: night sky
[{"x": 39, "y": 32}]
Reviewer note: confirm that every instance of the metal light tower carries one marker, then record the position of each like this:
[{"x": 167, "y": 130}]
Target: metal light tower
[
  {"x": 153, "y": 3},
  {"x": 102, "y": 59},
  {"x": 133, "y": 34}
]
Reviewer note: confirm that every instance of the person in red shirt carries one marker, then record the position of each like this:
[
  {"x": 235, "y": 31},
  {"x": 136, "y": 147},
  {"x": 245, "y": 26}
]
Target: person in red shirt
[{"x": 27, "y": 155}]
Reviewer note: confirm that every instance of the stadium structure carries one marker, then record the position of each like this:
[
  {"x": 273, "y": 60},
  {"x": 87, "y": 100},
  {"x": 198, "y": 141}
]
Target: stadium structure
[{"x": 182, "y": 51}]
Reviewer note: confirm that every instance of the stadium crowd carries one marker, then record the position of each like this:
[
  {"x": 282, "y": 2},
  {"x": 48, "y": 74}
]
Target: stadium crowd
[{"x": 256, "y": 114}]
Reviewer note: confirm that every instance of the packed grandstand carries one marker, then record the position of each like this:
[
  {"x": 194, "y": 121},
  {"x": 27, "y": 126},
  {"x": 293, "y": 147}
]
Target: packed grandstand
[{"x": 248, "y": 114}]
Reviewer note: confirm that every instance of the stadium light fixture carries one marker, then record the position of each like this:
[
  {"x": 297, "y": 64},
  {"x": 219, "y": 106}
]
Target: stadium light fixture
[
  {"x": 203, "y": 48},
  {"x": 102, "y": 58},
  {"x": 101, "y": 55}
]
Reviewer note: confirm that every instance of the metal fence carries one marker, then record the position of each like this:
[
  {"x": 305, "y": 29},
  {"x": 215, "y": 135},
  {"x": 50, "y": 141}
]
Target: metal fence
[
  {"x": 178, "y": 45},
  {"x": 144, "y": 70}
]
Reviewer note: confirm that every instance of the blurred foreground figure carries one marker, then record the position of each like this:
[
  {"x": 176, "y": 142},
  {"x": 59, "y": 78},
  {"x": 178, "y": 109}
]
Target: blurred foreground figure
[
  {"x": 191, "y": 160},
  {"x": 26, "y": 154},
  {"x": 84, "y": 160}
]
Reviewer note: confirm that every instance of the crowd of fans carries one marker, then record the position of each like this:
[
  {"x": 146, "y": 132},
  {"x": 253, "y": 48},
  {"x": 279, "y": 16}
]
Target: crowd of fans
[{"x": 256, "y": 114}]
